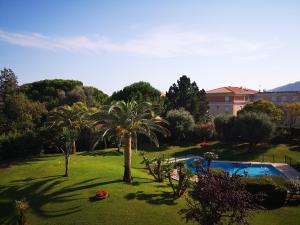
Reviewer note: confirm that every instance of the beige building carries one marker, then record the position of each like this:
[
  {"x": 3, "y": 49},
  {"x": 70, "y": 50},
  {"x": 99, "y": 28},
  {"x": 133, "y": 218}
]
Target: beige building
[
  {"x": 278, "y": 97},
  {"x": 228, "y": 100}
]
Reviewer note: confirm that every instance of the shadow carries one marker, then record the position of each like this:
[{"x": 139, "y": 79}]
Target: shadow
[
  {"x": 39, "y": 192},
  {"x": 161, "y": 198},
  {"x": 101, "y": 153},
  {"x": 295, "y": 148}
]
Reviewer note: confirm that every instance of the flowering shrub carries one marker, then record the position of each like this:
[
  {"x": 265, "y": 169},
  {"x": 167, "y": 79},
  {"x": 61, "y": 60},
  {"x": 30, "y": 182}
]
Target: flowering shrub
[
  {"x": 204, "y": 144},
  {"x": 102, "y": 194}
]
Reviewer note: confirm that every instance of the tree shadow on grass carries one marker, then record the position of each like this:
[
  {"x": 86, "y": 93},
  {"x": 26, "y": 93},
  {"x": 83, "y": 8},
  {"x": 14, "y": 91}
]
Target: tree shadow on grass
[
  {"x": 40, "y": 192},
  {"x": 160, "y": 198}
]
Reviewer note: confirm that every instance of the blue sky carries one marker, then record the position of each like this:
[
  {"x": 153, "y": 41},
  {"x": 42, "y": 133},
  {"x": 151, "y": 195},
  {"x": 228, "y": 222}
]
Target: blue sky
[{"x": 110, "y": 44}]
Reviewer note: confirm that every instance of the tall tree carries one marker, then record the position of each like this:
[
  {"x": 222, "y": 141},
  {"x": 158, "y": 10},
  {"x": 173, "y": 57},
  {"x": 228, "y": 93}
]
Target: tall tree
[
  {"x": 264, "y": 106},
  {"x": 124, "y": 120},
  {"x": 291, "y": 113},
  {"x": 139, "y": 92},
  {"x": 254, "y": 128},
  {"x": 186, "y": 94},
  {"x": 8, "y": 82}
]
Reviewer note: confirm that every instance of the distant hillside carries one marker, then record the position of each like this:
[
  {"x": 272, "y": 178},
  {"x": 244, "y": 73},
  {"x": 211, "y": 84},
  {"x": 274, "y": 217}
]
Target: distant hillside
[{"x": 289, "y": 87}]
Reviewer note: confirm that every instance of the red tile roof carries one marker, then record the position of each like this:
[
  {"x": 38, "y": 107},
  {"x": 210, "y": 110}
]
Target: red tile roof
[{"x": 234, "y": 90}]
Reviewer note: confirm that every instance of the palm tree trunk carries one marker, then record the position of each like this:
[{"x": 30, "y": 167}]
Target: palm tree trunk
[
  {"x": 127, "y": 160},
  {"x": 73, "y": 147},
  {"x": 67, "y": 165}
]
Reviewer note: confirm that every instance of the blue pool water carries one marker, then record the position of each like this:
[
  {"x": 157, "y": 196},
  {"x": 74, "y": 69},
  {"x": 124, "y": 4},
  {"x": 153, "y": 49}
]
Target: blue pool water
[{"x": 238, "y": 168}]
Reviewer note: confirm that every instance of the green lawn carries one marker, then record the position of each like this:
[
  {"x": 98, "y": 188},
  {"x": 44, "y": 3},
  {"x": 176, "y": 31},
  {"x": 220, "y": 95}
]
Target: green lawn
[{"x": 58, "y": 200}]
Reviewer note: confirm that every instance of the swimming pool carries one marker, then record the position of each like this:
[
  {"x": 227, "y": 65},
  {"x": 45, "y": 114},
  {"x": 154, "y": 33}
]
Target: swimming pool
[{"x": 238, "y": 168}]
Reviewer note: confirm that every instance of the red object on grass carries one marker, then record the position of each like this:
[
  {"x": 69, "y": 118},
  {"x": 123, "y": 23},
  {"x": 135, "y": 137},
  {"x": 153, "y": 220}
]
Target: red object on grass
[
  {"x": 102, "y": 194},
  {"x": 204, "y": 144}
]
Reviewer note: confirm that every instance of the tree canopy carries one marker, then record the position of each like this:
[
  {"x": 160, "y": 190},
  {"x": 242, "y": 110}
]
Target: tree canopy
[
  {"x": 181, "y": 123},
  {"x": 8, "y": 82},
  {"x": 186, "y": 94},
  {"x": 58, "y": 92},
  {"x": 264, "y": 106},
  {"x": 139, "y": 92}
]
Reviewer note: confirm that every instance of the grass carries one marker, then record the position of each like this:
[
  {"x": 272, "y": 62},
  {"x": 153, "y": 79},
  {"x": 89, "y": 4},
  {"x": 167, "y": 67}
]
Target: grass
[{"x": 55, "y": 199}]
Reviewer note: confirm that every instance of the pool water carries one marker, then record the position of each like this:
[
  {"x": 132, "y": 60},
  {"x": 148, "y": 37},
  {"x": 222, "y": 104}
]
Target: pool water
[{"x": 238, "y": 168}]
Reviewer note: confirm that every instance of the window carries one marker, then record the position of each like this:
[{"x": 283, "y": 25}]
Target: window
[
  {"x": 226, "y": 108},
  {"x": 226, "y": 98}
]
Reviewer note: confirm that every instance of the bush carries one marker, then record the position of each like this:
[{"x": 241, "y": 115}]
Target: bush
[
  {"x": 17, "y": 145},
  {"x": 204, "y": 131},
  {"x": 273, "y": 190},
  {"x": 253, "y": 128},
  {"x": 181, "y": 124}
]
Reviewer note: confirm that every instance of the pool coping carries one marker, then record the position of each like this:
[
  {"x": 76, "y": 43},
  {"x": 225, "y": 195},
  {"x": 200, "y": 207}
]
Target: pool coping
[{"x": 285, "y": 169}]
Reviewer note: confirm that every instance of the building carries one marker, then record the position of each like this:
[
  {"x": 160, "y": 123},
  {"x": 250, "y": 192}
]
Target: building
[
  {"x": 229, "y": 100},
  {"x": 278, "y": 97}
]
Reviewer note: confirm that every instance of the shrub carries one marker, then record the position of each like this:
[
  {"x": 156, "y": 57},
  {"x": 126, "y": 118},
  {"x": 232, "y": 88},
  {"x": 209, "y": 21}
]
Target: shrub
[
  {"x": 181, "y": 123},
  {"x": 253, "y": 128},
  {"x": 184, "y": 179},
  {"x": 204, "y": 131},
  {"x": 157, "y": 167},
  {"x": 17, "y": 145},
  {"x": 219, "y": 197},
  {"x": 273, "y": 191}
]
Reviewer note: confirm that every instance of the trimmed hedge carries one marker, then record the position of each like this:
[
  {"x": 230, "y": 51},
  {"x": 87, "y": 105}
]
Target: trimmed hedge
[
  {"x": 273, "y": 190},
  {"x": 16, "y": 145}
]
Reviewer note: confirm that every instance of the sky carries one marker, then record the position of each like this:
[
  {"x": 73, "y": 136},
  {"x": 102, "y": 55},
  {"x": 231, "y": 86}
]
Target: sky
[{"x": 111, "y": 44}]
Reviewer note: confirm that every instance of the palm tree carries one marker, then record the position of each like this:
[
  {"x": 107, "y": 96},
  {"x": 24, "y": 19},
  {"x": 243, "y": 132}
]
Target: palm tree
[
  {"x": 125, "y": 120},
  {"x": 71, "y": 117}
]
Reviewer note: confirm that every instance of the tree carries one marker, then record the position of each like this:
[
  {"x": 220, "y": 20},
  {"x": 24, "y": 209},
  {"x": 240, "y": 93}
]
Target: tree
[
  {"x": 72, "y": 118},
  {"x": 8, "y": 83},
  {"x": 254, "y": 128},
  {"x": 224, "y": 127},
  {"x": 209, "y": 157},
  {"x": 264, "y": 106},
  {"x": 58, "y": 92},
  {"x": 23, "y": 114},
  {"x": 68, "y": 136},
  {"x": 187, "y": 95},
  {"x": 139, "y": 92},
  {"x": 218, "y": 198},
  {"x": 181, "y": 123},
  {"x": 291, "y": 113},
  {"x": 124, "y": 120}
]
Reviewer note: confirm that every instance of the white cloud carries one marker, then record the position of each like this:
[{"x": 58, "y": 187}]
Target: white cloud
[{"x": 164, "y": 42}]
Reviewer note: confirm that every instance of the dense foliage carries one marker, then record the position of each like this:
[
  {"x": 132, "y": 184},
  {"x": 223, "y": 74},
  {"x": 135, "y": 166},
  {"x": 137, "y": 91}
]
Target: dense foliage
[
  {"x": 181, "y": 123},
  {"x": 254, "y": 128},
  {"x": 186, "y": 94},
  {"x": 139, "y": 92},
  {"x": 8, "y": 82},
  {"x": 291, "y": 113},
  {"x": 266, "y": 107},
  {"x": 219, "y": 197},
  {"x": 58, "y": 92}
]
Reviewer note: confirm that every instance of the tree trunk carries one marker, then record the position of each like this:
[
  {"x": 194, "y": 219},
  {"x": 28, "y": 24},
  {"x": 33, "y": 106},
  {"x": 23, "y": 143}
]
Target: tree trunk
[
  {"x": 73, "y": 147},
  {"x": 67, "y": 165},
  {"x": 127, "y": 160}
]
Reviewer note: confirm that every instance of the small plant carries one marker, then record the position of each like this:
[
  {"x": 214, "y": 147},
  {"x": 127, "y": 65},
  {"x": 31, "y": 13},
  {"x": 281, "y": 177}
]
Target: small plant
[
  {"x": 157, "y": 167},
  {"x": 209, "y": 156},
  {"x": 184, "y": 176},
  {"x": 21, "y": 207}
]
